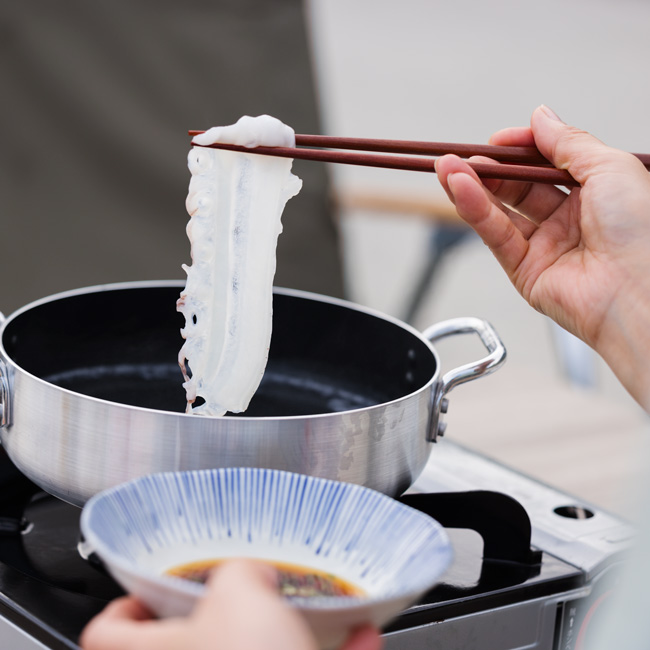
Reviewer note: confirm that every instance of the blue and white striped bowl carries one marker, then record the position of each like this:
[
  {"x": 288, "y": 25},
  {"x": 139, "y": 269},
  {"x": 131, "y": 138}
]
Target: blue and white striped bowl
[{"x": 142, "y": 528}]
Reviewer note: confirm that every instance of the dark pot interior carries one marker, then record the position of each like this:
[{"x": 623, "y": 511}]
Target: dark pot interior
[{"x": 122, "y": 345}]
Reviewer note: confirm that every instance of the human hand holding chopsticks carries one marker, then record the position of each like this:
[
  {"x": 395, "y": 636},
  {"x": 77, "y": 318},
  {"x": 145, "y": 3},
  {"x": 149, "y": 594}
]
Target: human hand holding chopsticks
[{"x": 583, "y": 257}]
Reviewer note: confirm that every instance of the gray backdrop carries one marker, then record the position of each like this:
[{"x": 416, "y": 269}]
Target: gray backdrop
[{"x": 96, "y": 101}]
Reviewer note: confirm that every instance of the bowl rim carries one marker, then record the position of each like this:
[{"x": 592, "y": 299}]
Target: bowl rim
[{"x": 93, "y": 544}]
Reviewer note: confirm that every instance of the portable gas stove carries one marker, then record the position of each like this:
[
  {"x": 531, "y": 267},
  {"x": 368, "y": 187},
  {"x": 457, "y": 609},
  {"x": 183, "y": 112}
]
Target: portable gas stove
[{"x": 531, "y": 565}]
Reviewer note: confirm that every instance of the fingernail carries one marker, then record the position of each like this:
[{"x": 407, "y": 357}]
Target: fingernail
[
  {"x": 549, "y": 113},
  {"x": 451, "y": 180}
]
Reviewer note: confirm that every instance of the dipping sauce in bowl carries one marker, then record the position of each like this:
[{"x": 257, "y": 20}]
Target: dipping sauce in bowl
[{"x": 293, "y": 580}]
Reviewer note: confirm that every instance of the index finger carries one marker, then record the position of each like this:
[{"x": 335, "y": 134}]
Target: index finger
[
  {"x": 535, "y": 201},
  {"x": 126, "y": 608},
  {"x": 125, "y": 623},
  {"x": 505, "y": 234}
]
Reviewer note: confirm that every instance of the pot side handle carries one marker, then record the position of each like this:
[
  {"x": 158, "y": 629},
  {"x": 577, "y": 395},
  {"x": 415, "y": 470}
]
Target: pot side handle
[
  {"x": 5, "y": 403},
  {"x": 467, "y": 372},
  {"x": 5, "y": 419}
]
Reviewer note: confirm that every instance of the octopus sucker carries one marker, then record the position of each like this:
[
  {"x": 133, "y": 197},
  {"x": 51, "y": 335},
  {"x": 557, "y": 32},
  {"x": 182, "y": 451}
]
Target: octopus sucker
[{"x": 235, "y": 202}]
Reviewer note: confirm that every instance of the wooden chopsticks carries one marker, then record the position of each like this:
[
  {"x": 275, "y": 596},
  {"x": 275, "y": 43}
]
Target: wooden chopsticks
[{"x": 515, "y": 163}]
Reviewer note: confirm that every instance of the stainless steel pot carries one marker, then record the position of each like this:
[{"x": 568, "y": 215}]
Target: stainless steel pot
[{"x": 91, "y": 395}]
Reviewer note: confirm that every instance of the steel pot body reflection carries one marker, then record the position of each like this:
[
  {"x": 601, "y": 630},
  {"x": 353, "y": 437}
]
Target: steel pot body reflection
[{"x": 91, "y": 393}]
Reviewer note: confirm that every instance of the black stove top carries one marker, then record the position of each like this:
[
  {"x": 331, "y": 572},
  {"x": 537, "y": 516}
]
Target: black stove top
[{"x": 50, "y": 592}]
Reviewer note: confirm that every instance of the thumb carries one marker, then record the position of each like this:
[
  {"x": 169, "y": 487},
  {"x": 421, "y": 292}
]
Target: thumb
[
  {"x": 577, "y": 151},
  {"x": 227, "y": 580}
]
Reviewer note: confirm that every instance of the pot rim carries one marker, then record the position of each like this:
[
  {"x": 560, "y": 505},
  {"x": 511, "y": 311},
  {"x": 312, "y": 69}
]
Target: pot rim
[{"x": 145, "y": 284}]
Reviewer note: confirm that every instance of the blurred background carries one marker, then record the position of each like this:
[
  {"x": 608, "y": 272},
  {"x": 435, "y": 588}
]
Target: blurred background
[
  {"x": 97, "y": 99},
  {"x": 457, "y": 72}
]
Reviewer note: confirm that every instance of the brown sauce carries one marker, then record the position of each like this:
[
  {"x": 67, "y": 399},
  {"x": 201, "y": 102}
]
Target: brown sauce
[{"x": 293, "y": 580}]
